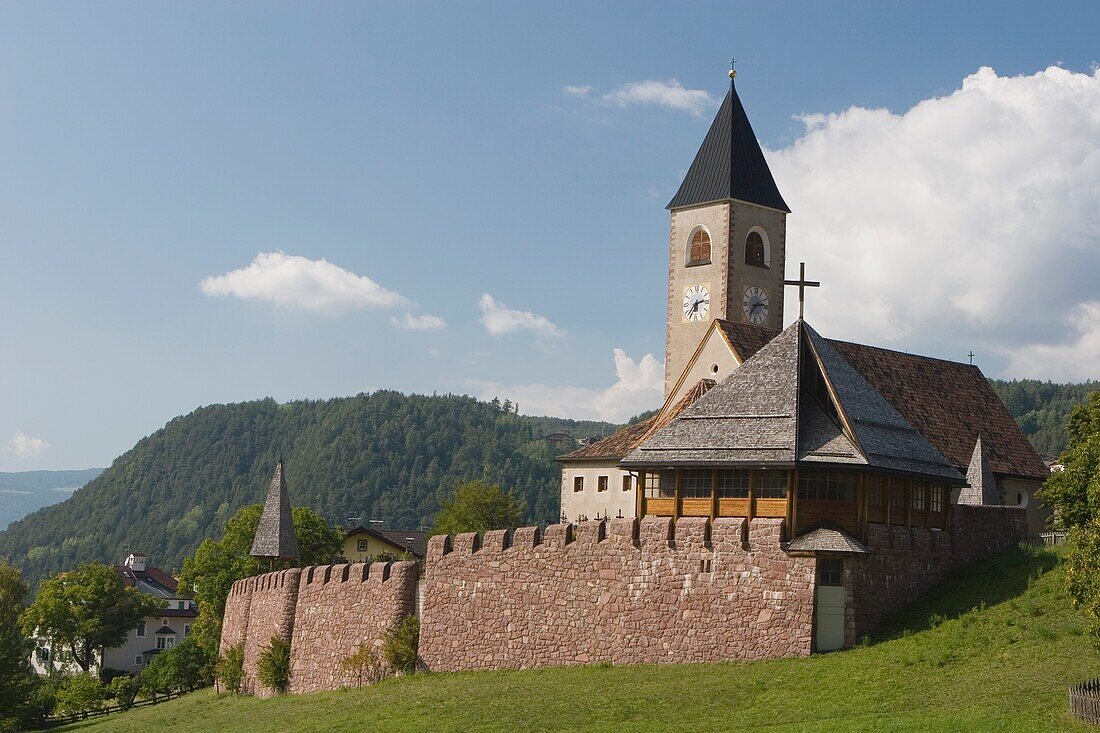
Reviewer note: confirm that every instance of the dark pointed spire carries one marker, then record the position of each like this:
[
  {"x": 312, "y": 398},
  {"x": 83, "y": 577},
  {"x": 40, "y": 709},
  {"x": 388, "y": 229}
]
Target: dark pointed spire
[
  {"x": 729, "y": 164},
  {"x": 275, "y": 536},
  {"x": 982, "y": 490}
]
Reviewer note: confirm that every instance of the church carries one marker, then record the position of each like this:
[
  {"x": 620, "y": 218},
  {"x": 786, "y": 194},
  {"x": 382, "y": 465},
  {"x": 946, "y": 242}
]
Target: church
[{"x": 761, "y": 421}]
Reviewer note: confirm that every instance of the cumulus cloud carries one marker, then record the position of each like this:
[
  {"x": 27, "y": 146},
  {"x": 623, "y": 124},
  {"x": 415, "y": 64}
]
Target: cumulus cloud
[
  {"x": 423, "y": 322},
  {"x": 669, "y": 94},
  {"x": 499, "y": 319},
  {"x": 24, "y": 446},
  {"x": 639, "y": 386},
  {"x": 291, "y": 281},
  {"x": 967, "y": 221}
]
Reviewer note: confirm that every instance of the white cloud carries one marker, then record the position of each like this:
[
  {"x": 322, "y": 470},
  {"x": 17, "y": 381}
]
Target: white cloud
[
  {"x": 1071, "y": 361},
  {"x": 423, "y": 322},
  {"x": 499, "y": 319},
  {"x": 24, "y": 446},
  {"x": 669, "y": 94},
  {"x": 291, "y": 281},
  {"x": 578, "y": 90},
  {"x": 968, "y": 221},
  {"x": 639, "y": 386}
]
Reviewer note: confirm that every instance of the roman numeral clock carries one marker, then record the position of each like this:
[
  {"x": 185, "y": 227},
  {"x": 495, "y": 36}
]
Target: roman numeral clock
[{"x": 696, "y": 303}]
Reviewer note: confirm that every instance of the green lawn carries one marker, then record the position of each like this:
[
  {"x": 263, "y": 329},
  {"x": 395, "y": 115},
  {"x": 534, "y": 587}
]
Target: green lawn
[{"x": 992, "y": 649}]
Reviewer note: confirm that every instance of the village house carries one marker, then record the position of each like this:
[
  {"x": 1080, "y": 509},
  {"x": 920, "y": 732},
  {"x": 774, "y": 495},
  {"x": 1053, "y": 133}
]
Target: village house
[
  {"x": 363, "y": 543},
  {"x": 153, "y": 635}
]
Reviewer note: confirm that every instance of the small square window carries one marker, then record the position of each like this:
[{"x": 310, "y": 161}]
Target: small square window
[
  {"x": 830, "y": 571},
  {"x": 141, "y": 629},
  {"x": 601, "y": 483},
  {"x": 362, "y": 546},
  {"x": 626, "y": 482},
  {"x": 578, "y": 483},
  {"x": 137, "y": 661}
]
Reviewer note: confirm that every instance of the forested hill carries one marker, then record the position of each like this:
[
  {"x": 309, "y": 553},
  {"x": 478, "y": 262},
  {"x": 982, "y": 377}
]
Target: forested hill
[
  {"x": 383, "y": 456},
  {"x": 1041, "y": 409}
]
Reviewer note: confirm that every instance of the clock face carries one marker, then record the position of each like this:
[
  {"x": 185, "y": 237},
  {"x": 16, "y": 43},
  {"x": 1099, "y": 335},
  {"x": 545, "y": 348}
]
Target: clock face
[
  {"x": 755, "y": 305},
  {"x": 696, "y": 303}
]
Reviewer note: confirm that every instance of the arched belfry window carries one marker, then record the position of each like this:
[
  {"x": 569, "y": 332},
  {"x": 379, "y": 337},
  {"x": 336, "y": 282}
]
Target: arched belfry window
[
  {"x": 756, "y": 251},
  {"x": 699, "y": 249}
]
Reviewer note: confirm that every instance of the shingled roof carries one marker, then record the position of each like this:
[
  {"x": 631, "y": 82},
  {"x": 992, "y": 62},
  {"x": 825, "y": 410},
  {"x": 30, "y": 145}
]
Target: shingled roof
[
  {"x": 827, "y": 538},
  {"x": 983, "y": 487},
  {"x": 729, "y": 164},
  {"x": 618, "y": 444},
  {"x": 948, "y": 402},
  {"x": 796, "y": 401},
  {"x": 275, "y": 536}
]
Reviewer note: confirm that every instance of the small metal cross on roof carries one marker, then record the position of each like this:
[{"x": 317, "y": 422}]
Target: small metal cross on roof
[
  {"x": 733, "y": 68},
  {"x": 802, "y": 284},
  {"x": 971, "y": 355}
]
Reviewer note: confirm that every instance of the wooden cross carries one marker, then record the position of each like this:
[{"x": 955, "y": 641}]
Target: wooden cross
[{"x": 802, "y": 284}]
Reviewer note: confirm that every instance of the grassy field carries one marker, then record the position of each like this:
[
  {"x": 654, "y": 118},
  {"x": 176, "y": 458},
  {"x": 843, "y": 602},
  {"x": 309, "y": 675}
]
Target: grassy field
[{"x": 994, "y": 648}]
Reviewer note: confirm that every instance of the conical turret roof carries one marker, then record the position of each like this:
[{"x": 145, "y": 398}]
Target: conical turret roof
[
  {"x": 729, "y": 164},
  {"x": 275, "y": 536},
  {"x": 982, "y": 490}
]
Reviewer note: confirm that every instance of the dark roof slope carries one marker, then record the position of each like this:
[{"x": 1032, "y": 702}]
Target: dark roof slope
[
  {"x": 948, "y": 402},
  {"x": 746, "y": 340},
  {"x": 795, "y": 400},
  {"x": 827, "y": 538},
  {"x": 951, "y": 404},
  {"x": 151, "y": 580},
  {"x": 275, "y": 536},
  {"x": 729, "y": 164}
]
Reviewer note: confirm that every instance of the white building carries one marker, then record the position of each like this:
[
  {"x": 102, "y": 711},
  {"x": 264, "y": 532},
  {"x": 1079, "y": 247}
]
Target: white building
[{"x": 152, "y": 636}]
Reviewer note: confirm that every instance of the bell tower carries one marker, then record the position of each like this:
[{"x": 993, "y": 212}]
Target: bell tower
[{"x": 727, "y": 238}]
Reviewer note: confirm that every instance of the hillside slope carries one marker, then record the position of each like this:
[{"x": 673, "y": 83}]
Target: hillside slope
[
  {"x": 1041, "y": 409},
  {"x": 384, "y": 455},
  {"x": 21, "y": 492},
  {"x": 993, "y": 648}
]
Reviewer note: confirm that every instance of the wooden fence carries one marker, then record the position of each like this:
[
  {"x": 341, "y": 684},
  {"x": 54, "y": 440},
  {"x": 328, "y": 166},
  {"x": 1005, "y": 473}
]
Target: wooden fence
[
  {"x": 1084, "y": 701},
  {"x": 57, "y": 722}
]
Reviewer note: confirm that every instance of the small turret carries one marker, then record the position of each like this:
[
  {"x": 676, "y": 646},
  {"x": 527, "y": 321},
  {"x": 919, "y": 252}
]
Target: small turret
[
  {"x": 982, "y": 490},
  {"x": 275, "y": 536}
]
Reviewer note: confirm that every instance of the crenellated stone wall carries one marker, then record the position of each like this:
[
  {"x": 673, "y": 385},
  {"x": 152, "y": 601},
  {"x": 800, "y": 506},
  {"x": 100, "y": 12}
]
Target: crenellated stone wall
[
  {"x": 906, "y": 562},
  {"x": 325, "y": 612},
  {"x": 623, "y": 592}
]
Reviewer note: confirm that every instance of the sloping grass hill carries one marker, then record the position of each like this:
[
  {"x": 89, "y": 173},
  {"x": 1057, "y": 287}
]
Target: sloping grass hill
[{"x": 993, "y": 648}]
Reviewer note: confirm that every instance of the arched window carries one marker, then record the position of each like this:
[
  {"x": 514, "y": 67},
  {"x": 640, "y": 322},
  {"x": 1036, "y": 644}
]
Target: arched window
[
  {"x": 699, "y": 251},
  {"x": 754, "y": 250}
]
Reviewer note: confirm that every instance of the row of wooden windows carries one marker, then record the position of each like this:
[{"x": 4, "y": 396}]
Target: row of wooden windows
[
  {"x": 699, "y": 249},
  {"x": 602, "y": 483},
  {"x": 877, "y": 489},
  {"x": 726, "y": 483}
]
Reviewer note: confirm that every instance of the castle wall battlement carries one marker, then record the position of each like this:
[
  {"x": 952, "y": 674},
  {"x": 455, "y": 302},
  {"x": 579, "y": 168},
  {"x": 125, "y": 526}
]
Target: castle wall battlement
[
  {"x": 326, "y": 612},
  {"x": 623, "y": 591}
]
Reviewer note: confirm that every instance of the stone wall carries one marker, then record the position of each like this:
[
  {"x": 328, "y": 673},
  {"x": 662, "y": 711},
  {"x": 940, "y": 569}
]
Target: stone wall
[
  {"x": 620, "y": 591},
  {"x": 905, "y": 563},
  {"x": 325, "y": 612},
  {"x": 339, "y": 608}
]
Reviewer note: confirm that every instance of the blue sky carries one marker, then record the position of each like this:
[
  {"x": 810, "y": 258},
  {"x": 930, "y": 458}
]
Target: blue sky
[{"x": 435, "y": 149}]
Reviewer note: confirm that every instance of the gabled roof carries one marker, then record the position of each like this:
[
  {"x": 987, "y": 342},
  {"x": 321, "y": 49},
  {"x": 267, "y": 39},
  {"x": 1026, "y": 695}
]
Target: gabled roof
[
  {"x": 625, "y": 440},
  {"x": 745, "y": 340},
  {"x": 275, "y": 535},
  {"x": 151, "y": 580},
  {"x": 948, "y": 402},
  {"x": 729, "y": 164},
  {"x": 415, "y": 543},
  {"x": 796, "y": 401},
  {"x": 982, "y": 490}
]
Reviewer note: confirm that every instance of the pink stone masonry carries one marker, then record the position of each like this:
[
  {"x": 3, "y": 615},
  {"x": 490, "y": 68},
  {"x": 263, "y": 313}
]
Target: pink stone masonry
[{"x": 624, "y": 592}]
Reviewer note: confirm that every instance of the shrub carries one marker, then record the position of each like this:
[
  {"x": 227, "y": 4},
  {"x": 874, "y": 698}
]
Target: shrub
[
  {"x": 184, "y": 667},
  {"x": 273, "y": 665},
  {"x": 124, "y": 688},
  {"x": 230, "y": 669},
  {"x": 364, "y": 665},
  {"x": 401, "y": 643},
  {"x": 80, "y": 693}
]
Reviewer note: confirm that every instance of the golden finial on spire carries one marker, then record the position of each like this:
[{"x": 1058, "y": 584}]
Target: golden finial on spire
[{"x": 733, "y": 69}]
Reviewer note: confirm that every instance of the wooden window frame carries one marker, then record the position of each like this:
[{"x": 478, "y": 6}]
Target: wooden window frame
[
  {"x": 699, "y": 238},
  {"x": 601, "y": 484},
  {"x": 578, "y": 484}
]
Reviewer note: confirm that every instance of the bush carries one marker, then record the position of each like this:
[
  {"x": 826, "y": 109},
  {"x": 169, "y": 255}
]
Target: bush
[
  {"x": 364, "y": 665},
  {"x": 401, "y": 643},
  {"x": 273, "y": 665},
  {"x": 230, "y": 669},
  {"x": 124, "y": 688},
  {"x": 183, "y": 668},
  {"x": 80, "y": 693}
]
